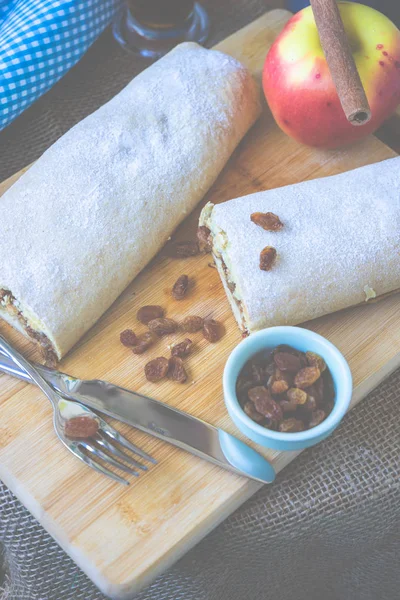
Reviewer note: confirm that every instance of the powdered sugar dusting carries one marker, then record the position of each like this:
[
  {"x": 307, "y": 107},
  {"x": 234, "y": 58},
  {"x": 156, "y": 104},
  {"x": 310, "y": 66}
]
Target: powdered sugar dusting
[
  {"x": 99, "y": 204},
  {"x": 341, "y": 234}
]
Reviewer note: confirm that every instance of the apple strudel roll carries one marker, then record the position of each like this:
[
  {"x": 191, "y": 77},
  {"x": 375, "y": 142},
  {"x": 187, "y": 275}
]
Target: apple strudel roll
[
  {"x": 82, "y": 222},
  {"x": 298, "y": 252}
]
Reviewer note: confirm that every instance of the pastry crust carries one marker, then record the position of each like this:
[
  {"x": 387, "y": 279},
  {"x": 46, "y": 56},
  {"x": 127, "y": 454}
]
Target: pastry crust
[
  {"x": 340, "y": 246},
  {"x": 101, "y": 202}
]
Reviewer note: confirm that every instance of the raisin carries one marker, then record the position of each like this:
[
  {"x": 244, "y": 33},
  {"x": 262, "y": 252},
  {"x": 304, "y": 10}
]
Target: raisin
[
  {"x": 291, "y": 425},
  {"x": 264, "y": 403},
  {"x": 329, "y": 387},
  {"x": 317, "y": 416},
  {"x": 315, "y": 360},
  {"x": 145, "y": 340},
  {"x": 128, "y": 338},
  {"x": 300, "y": 355},
  {"x": 148, "y": 313},
  {"x": 156, "y": 369},
  {"x": 288, "y": 405},
  {"x": 182, "y": 349},
  {"x": 279, "y": 386},
  {"x": 287, "y": 362},
  {"x": 204, "y": 239},
  {"x": 162, "y": 326},
  {"x": 192, "y": 324},
  {"x": 212, "y": 330},
  {"x": 267, "y": 258},
  {"x": 81, "y": 427},
  {"x": 180, "y": 287},
  {"x": 297, "y": 396},
  {"x": 184, "y": 249},
  {"x": 317, "y": 390},
  {"x": 243, "y": 386},
  {"x": 251, "y": 412},
  {"x": 280, "y": 381},
  {"x": 257, "y": 373},
  {"x": 306, "y": 377},
  {"x": 268, "y": 221},
  {"x": 176, "y": 370},
  {"x": 310, "y": 404},
  {"x": 283, "y": 375}
]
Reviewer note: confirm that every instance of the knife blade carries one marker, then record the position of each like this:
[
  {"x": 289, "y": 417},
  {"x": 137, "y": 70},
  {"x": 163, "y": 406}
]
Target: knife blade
[{"x": 156, "y": 418}]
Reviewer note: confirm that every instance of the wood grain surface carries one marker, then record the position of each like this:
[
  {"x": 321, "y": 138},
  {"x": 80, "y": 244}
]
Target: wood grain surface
[{"x": 123, "y": 537}]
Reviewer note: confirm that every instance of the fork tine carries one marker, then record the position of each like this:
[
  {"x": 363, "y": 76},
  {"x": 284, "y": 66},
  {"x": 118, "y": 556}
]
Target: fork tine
[
  {"x": 96, "y": 466},
  {"x": 102, "y": 441},
  {"x": 108, "y": 459},
  {"x": 113, "y": 433}
]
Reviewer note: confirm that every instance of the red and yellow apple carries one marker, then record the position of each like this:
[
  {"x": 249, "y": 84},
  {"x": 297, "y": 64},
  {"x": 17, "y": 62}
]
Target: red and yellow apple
[{"x": 299, "y": 88}]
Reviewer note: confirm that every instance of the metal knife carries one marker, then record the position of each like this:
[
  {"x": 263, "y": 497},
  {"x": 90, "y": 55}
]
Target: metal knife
[{"x": 156, "y": 418}]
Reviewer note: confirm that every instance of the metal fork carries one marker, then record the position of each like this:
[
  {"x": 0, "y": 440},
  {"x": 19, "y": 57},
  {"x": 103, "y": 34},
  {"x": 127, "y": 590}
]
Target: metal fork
[{"x": 93, "y": 451}]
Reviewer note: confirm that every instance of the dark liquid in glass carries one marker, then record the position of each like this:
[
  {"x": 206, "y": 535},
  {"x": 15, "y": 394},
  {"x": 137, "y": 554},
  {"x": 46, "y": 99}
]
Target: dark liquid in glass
[{"x": 161, "y": 14}]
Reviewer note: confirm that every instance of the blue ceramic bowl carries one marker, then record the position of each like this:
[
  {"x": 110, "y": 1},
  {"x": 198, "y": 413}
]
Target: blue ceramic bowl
[{"x": 304, "y": 340}]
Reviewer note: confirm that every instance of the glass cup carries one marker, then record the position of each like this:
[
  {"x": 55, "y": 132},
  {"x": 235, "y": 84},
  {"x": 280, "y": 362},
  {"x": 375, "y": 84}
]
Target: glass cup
[{"x": 153, "y": 27}]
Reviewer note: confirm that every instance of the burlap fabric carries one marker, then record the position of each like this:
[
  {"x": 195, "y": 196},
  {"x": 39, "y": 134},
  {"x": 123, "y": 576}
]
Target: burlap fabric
[{"x": 328, "y": 528}]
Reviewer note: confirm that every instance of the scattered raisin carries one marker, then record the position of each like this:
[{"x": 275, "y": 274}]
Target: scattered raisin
[
  {"x": 128, "y": 338},
  {"x": 82, "y": 427},
  {"x": 184, "y": 249},
  {"x": 176, "y": 370},
  {"x": 182, "y": 349},
  {"x": 291, "y": 425},
  {"x": 212, "y": 330},
  {"x": 268, "y": 221},
  {"x": 251, "y": 412},
  {"x": 180, "y": 287},
  {"x": 162, "y": 326},
  {"x": 306, "y": 377},
  {"x": 192, "y": 324},
  {"x": 287, "y": 362},
  {"x": 267, "y": 258},
  {"x": 144, "y": 341},
  {"x": 148, "y": 313},
  {"x": 204, "y": 239},
  {"x": 156, "y": 369}
]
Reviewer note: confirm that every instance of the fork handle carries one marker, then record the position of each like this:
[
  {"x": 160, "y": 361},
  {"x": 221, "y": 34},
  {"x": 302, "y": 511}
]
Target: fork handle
[{"x": 31, "y": 373}]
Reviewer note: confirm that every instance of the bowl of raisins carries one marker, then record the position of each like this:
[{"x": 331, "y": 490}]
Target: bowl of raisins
[{"x": 287, "y": 388}]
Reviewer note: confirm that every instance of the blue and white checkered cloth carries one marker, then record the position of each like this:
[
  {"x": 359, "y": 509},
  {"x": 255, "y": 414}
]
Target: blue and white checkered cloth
[{"x": 39, "y": 41}]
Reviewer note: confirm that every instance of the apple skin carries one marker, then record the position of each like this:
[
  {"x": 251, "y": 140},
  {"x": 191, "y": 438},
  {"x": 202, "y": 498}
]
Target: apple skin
[{"x": 298, "y": 85}]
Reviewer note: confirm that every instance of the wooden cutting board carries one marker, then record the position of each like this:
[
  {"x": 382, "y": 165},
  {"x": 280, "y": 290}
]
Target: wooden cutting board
[{"x": 123, "y": 537}]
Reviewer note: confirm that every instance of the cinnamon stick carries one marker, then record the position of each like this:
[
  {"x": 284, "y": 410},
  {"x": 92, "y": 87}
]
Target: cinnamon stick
[{"x": 337, "y": 50}]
